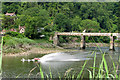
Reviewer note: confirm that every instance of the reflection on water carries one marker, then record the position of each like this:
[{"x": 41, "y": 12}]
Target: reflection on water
[{"x": 13, "y": 67}]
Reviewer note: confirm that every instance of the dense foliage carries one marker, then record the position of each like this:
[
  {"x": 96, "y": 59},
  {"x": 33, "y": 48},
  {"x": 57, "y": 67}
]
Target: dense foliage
[
  {"x": 16, "y": 45},
  {"x": 15, "y": 34},
  {"x": 44, "y": 18}
]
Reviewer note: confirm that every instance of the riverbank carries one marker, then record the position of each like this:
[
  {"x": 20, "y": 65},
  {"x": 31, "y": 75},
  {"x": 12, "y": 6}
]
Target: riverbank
[
  {"x": 38, "y": 50},
  {"x": 50, "y": 48},
  {"x": 75, "y": 45}
]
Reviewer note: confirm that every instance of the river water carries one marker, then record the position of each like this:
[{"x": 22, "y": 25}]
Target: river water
[{"x": 13, "y": 67}]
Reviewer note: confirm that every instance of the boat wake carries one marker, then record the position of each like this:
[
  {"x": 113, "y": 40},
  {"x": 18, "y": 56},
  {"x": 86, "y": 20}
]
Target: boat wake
[{"x": 54, "y": 57}]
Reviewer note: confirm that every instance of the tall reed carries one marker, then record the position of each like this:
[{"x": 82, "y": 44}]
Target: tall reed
[
  {"x": 1, "y": 57},
  {"x": 1, "y": 54},
  {"x": 103, "y": 71}
]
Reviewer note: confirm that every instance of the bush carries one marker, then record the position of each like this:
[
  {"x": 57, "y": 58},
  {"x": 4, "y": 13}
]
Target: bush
[
  {"x": 6, "y": 38},
  {"x": 28, "y": 41},
  {"x": 117, "y": 41},
  {"x": 12, "y": 51},
  {"x": 17, "y": 41},
  {"x": 15, "y": 34},
  {"x": 13, "y": 43}
]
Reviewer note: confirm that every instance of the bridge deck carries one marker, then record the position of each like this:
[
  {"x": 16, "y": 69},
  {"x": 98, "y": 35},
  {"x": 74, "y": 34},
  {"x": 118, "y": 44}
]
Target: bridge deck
[{"x": 88, "y": 34}]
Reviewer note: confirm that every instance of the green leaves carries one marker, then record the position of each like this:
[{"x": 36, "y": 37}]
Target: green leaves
[
  {"x": 35, "y": 19},
  {"x": 90, "y": 25},
  {"x": 80, "y": 73},
  {"x": 62, "y": 22},
  {"x": 41, "y": 72},
  {"x": 66, "y": 17},
  {"x": 106, "y": 67}
]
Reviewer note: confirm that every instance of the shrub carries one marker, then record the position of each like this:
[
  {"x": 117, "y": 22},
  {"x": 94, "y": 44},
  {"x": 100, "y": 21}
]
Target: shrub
[
  {"x": 28, "y": 41},
  {"x": 15, "y": 34},
  {"x": 6, "y": 38},
  {"x": 12, "y": 51},
  {"x": 12, "y": 44},
  {"x": 117, "y": 41}
]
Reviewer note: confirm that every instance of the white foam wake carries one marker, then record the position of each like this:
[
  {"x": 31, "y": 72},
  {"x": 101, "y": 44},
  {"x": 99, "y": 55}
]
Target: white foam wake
[{"x": 60, "y": 57}]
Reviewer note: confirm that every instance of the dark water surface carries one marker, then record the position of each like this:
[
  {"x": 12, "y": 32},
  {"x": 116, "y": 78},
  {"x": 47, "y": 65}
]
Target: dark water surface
[{"x": 13, "y": 67}]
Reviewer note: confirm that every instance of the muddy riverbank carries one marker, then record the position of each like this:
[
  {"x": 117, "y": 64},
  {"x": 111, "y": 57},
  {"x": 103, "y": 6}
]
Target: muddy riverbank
[
  {"x": 37, "y": 50},
  {"x": 75, "y": 45},
  {"x": 64, "y": 47}
]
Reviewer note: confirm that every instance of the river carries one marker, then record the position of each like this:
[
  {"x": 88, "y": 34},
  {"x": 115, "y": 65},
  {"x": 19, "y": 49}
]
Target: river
[{"x": 13, "y": 67}]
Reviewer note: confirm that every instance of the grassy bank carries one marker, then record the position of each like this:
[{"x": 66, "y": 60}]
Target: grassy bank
[{"x": 16, "y": 45}]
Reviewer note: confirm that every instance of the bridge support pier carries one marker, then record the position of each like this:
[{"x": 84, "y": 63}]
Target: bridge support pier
[
  {"x": 112, "y": 43},
  {"x": 55, "y": 39},
  {"x": 82, "y": 43}
]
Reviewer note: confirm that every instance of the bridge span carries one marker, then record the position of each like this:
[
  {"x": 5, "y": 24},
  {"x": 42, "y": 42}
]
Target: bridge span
[{"x": 82, "y": 43}]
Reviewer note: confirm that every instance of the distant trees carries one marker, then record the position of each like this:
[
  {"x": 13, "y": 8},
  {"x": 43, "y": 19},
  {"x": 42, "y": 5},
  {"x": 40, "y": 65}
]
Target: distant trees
[
  {"x": 8, "y": 22},
  {"x": 75, "y": 23},
  {"x": 34, "y": 19},
  {"x": 62, "y": 22},
  {"x": 62, "y": 17}
]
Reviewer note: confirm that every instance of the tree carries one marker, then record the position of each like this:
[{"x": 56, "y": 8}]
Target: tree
[
  {"x": 62, "y": 22},
  {"x": 34, "y": 19},
  {"x": 90, "y": 25},
  {"x": 75, "y": 22},
  {"x": 8, "y": 22}
]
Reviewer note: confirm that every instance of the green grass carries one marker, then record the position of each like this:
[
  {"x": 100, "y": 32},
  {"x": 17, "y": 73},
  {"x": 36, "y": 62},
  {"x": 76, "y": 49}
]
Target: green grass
[
  {"x": 41, "y": 72},
  {"x": 103, "y": 70},
  {"x": 1, "y": 56},
  {"x": 16, "y": 45},
  {"x": 117, "y": 41},
  {"x": 42, "y": 41},
  {"x": 97, "y": 72}
]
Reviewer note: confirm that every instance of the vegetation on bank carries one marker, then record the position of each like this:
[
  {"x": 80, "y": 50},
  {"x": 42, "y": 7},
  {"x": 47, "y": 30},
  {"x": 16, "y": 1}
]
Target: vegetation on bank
[
  {"x": 117, "y": 41},
  {"x": 42, "y": 20},
  {"x": 15, "y": 42}
]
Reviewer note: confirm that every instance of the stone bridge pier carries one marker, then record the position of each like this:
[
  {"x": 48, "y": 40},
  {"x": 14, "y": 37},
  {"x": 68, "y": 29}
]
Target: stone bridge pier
[
  {"x": 55, "y": 39},
  {"x": 82, "y": 42},
  {"x": 112, "y": 47}
]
